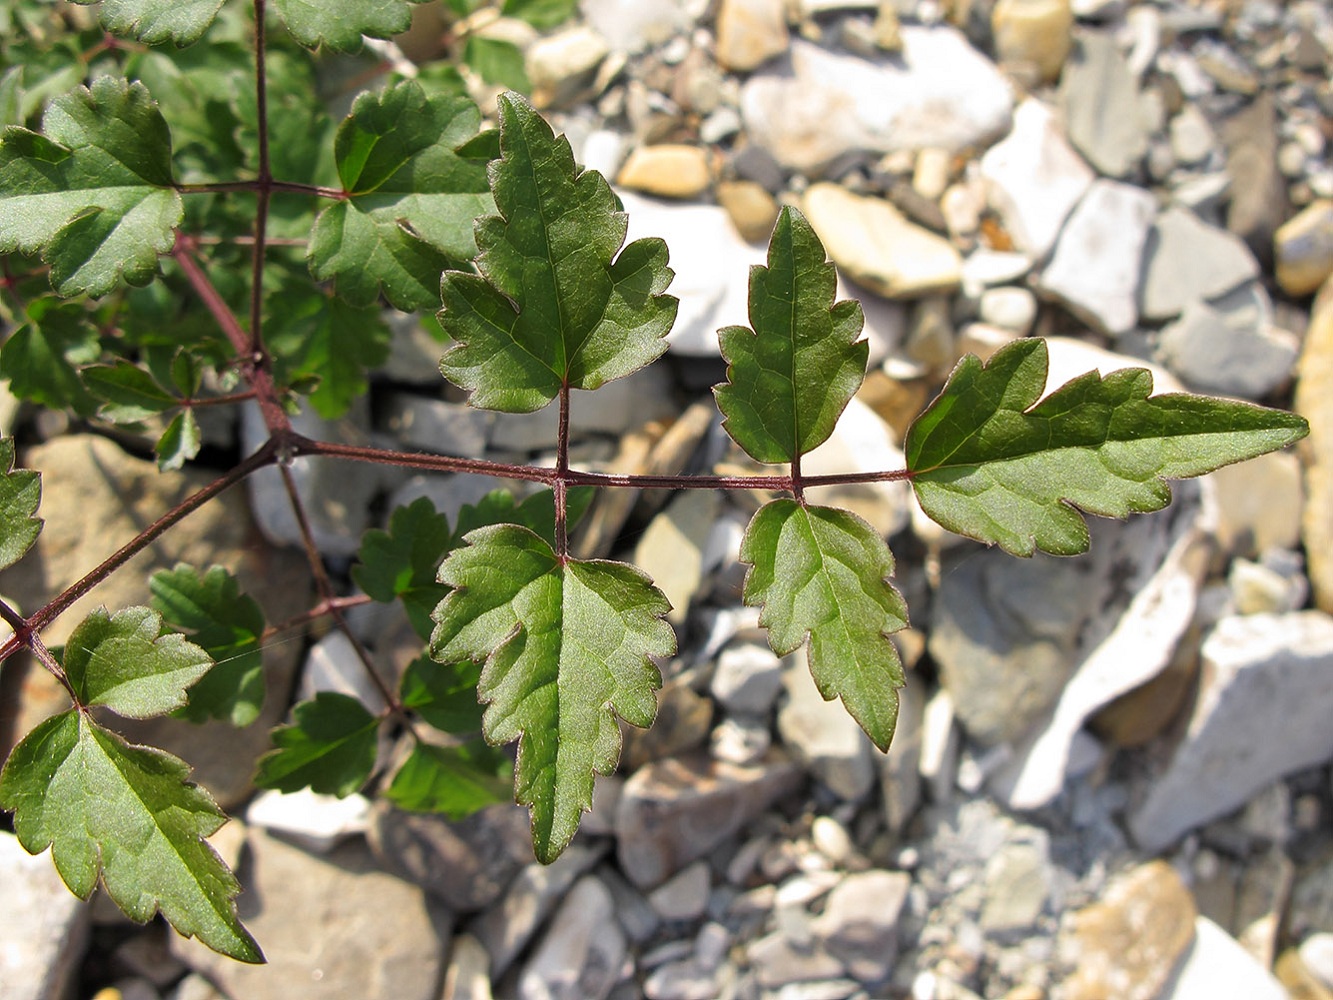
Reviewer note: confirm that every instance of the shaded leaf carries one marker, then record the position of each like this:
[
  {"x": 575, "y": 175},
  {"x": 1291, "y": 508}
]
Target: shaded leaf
[
  {"x": 823, "y": 572},
  {"x": 553, "y": 304},
  {"x": 42, "y": 358},
  {"x": 566, "y": 648},
  {"x": 329, "y": 747},
  {"x": 125, "y": 662},
  {"x": 455, "y": 781},
  {"x": 541, "y": 14},
  {"x": 444, "y": 694},
  {"x": 20, "y": 496},
  {"x": 155, "y": 21},
  {"x": 990, "y": 461},
  {"x": 339, "y": 24},
  {"x": 128, "y": 815},
  {"x": 790, "y": 377},
  {"x": 179, "y": 443},
  {"x": 496, "y": 61},
  {"x": 536, "y": 512},
  {"x": 401, "y": 563},
  {"x": 93, "y": 192},
  {"x": 229, "y": 625},
  {"x": 412, "y": 198},
  {"x": 129, "y": 393}
]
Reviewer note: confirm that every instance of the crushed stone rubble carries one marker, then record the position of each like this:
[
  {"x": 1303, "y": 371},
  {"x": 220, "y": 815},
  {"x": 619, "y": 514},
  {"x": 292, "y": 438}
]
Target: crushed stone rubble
[{"x": 1111, "y": 777}]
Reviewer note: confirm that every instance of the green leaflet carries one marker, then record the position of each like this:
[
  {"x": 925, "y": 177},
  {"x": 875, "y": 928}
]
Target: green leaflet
[
  {"x": 155, "y": 21},
  {"x": 823, "y": 572},
  {"x": 541, "y": 14},
  {"x": 127, "y": 814},
  {"x": 412, "y": 197},
  {"x": 444, "y": 694},
  {"x": 455, "y": 781},
  {"x": 402, "y": 562},
  {"x": 329, "y": 747},
  {"x": 553, "y": 304},
  {"x": 92, "y": 193},
  {"x": 20, "y": 496},
  {"x": 125, "y": 662},
  {"x": 567, "y": 648},
  {"x": 42, "y": 358},
  {"x": 129, "y": 393},
  {"x": 790, "y": 378},
  {"x": 990, "y": 461},
  {"x": 339, "y": 24}
]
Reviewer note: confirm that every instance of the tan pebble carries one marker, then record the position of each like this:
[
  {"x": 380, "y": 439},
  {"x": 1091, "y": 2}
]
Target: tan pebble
[
  {"x": 1033, "y": 33},
  {"x": 752, "y": 209},
  {"x": 1304, "y": 249},
  {"x": 667, "y": 170}
]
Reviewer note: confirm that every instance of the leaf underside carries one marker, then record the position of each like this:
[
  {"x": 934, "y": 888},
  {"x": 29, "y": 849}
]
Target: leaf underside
[
  {"x": 566, "y": 649},
  {"x": 553, "y": 305},
  {"x": 823, "y": 572},
  {"x": 790, "y": 378},
  {"x": 989, "y": 461},
  {"x": 20, "y": 496},
  {"x": 128, "y": 815}
]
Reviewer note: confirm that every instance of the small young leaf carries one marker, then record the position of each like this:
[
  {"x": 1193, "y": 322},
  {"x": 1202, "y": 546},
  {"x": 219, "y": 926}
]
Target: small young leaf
[
  {"x": 789, "y": 379},
  {"x": 567, "y": 648},
  {"x": 541, "y": 14},
  {"x": 182, "y": 22},
  {"x": 20, "y": 496},
  {"x": 329, "y": 747},
  {"x": 536, "y": 512},
  {"x": 412, "y": 198},
  {"x": 402, "y": 562},
  {"x": 823, "y": 572},
  {"x": 123, "y": 661},
  {"x": 455, "y": 781},
  {"x": 93, "y": 194},
  {"x": 187, "y": 373},
  {"x": 179, "y": 443},
  {"x": 444, "y": 694},
  {"x": 339, "y": 24},
  {"x": 497, "y": 62},
  {"x": 990, "y": 461},
  {"x": 551, "y": 307},
  {"x": 128, "y": 814},
  {"x": 229, "y": 626},
  {"x": 129, "y": 392}
]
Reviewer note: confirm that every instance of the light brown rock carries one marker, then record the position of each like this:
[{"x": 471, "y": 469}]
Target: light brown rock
[
  {"x": 750, "y": 32},
  {"x": 1127, "y": 944},
  {"x": 752, "y": 209},
  {"x": 874, "y": 244},
  {"x": 1314, "y": 401},
  {"x": 668, "y": 170},
  {"x": 1303, "y": 246},
  {"x": 1033, "y": 33}
]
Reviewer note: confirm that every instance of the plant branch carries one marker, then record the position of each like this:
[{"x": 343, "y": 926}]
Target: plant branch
[
  {"x": 263, "y": 193},
  {"x": 289, "y": 187},
  {"x": 561, "y": 484}
]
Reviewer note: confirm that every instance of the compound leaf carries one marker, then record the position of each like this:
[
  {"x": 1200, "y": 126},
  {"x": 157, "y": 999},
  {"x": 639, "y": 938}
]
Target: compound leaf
[
  {"x": 411, "y": 198},
  {"x": 553, "y": 304},
  {"x": 823, "y": 572},
  {"x": 93, "y": 192},
  {"x": 329, "y": 747},
  {"x": 124, "y": 661},
  {"x": 790, "y": 378},
  {"x": 990, "y": 461},
  {"x": 567, "y": 648},
  {"x": 401, "y": 563},
  {"x": 153, "y": 21},
  {"x": 455, "y": 781},
  {"x": 339, "y": 24},
  {"x": 127, "y": 814},
  {"x": 20, "y": 496},
  {"x": 229, "y": 625}
]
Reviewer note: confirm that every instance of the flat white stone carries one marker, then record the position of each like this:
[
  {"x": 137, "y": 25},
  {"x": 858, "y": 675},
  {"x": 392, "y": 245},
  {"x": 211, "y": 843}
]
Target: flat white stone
[
  {"x": 45, "y": 928},
  {"x": 1217, "y": 966},
  {"x": 316, "y": 822}
]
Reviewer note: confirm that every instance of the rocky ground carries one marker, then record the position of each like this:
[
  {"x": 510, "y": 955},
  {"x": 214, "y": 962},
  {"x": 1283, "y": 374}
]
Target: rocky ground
[{"x": 1112, "y": 774}]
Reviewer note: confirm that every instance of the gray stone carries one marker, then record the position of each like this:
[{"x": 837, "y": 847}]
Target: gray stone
[
  {"x": 1018, "y": 884},
  {"x": 674, "y": 811},
  {"x": 740, "y": 739},
  {"x": 671, "y": 548},
  {"x": 313, "y": 821},
  {"x": 684, "y": 979},
  {"x": 1096, "y": 265},
  {"x": 438, "y": 426},
  {"x": 778, "y": 961},
  {"x": 632, "y": 26},
  {"x": 1258, "y": 203},
  {"x": 338, "y": 924},
  {"x": 1009, "y": 308},
  {"x": 468, "y": 976},
  {"x": 683, "y": 896},
  {"x": 333, "y": 665},
  {"x": 859, "y": 925},
  {"x": 813, "y": 106},
  {"x": 1192, "y": 137},
  {"x": 1215, "y": 965},
  {"x": 507, "y": 927},
  {"x": 747, "y": 678},
  {"x": 45, "y": 929},
  {"x": 899, "y": 775},
  {"x": 1262, "y": 674},
  {"x": 1099, "y": 98},
  {"x": 1187, "y": 260},
  {"x": 1034, "y": 179},
  {"x": 823, "y": 736},
  {"x": 466, "y": 864},
  {"x": 580, "y": 956},
  {"x": 1230, "y": 346}
]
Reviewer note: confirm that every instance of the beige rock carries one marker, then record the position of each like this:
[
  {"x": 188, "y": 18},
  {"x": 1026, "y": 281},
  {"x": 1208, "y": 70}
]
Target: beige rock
[
  {"x": 1127, "y": 945},
  {"x": 752, "y": 209},
  {"x": 667, "y": 170},
  {"x": 561, "y": 66},
  {"x": 750, "y": 32},
  {"x": 1298, "y": 979},
  {"x": 1261, "y": 504},
  {"x": 1314, "y": 401},
  {"x": 1304, "y": 248},
  {"x": 875, "y": 244},
  {"x": 1033, "y": 33},
  {"x": 1141, "y": 715}
]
